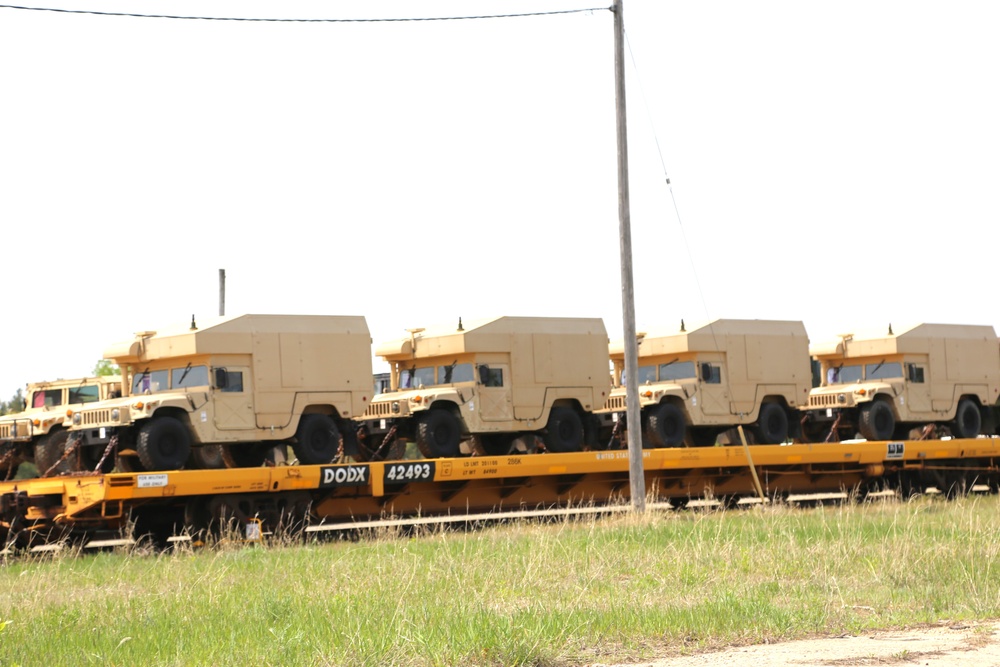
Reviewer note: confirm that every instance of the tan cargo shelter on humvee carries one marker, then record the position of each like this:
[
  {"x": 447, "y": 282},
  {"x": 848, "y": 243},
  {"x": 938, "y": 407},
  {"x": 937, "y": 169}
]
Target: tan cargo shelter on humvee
[
  {"x": 493, "y": 385},
  {"x": 884, "y": 384},
  {"x": 245, "y": 383},
  {"x": 694, "y": 384}
]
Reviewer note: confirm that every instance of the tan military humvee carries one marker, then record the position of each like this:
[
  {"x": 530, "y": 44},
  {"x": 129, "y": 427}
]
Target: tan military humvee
[
  {"x": 492, "y": 386},
  {"x": 693, "y": 385},
  {"x": 245, "y": 383},
  {"x": 883, "y": 385},
  {"x": 25, "y": 436}
]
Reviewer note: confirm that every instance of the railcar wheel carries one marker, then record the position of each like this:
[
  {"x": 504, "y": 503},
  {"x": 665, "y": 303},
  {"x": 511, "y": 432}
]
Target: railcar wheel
[
  {"x": 877, "y": 421},
  {"x": 163, "y": 444},
  {"x": 564, "y": 432},
  {"x": 968, "y": 421},
  {"x": 772, "y": 424},
  {"x": 439, "y": 434},
  {"x": 317, "y": 440},
  {"x": 665, "y": 426}
]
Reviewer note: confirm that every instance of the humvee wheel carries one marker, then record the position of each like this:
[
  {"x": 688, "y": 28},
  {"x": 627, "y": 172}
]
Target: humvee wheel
[
  {"x": 163, "y": 444},
  {"x": 392, "y": 451},
  {"x": 564, "y": 432},
  {"x": 772, "y": 424},
  {"x": 49, "y": 450},
  {"x": 968, "y": 421},
  {"x": 317, "y": 440},
  {"x": 208, "y": 457},
  {"x": 493, "y": 444},
  {"x": 244, "y": 455},
  {"x": 439, "y": 434},
  {"x": 90, "y": 457},
  {"x": 877, "y": 421},
  {"x": 665, "y": 426}
]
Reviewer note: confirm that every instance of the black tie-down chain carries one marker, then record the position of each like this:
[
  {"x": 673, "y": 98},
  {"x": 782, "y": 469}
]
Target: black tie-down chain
[
  {"x": 362, "y": 436},
  {"x": 10, "y": 460},
  {"x": 112, "y": 445},
  {"x": 616, "y": 435},
  {"x": 72, "y": 445}
]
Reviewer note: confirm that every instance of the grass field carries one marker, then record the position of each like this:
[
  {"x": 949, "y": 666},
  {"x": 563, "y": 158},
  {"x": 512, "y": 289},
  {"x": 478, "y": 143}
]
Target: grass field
[{"x": 575, "y": 592}]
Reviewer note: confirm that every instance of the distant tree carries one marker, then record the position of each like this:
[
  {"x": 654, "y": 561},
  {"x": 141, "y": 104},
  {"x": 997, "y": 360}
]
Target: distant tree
[
  {"x": 14, "y": 405},
  {"x": 106, "y": 367}
]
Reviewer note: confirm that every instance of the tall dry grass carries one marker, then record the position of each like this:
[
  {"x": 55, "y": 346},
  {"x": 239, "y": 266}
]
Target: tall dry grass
[{"x": 570, "y": 592}]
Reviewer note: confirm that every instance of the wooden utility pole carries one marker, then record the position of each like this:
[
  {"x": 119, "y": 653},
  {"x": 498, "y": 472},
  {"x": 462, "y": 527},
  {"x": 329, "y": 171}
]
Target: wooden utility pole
[
  {"x": 637, "y": 480},
  {"x": 222, "y": 292}
]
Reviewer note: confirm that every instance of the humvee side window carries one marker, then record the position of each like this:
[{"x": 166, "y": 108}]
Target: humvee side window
[
  {"x": 711, "y": 374},
  {"x": 646, "y": 374},
  {"x": 381, "y": 382},
  {"x": 676, "y": 370},
  {"x": 84, "y": 394},
  {"x": 882, "y": 370},
  {"x": 455, "y": 373},
  {"x": 46, "y": 398},
  {"x": 490, "y": 377},
  {"x": 234, "y": 382},
  {"x": 915, "y": 373},
  {"x": 190, "y": 376}
]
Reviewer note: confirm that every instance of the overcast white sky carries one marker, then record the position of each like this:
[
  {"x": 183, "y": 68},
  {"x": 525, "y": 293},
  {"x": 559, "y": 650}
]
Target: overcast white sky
[{"x": 832, "y": 162}]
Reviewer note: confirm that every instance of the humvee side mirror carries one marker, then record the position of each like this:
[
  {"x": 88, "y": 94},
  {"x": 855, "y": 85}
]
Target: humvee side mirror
[
  {"x": 221, "y": 378},
  {"x": 706, "y": 372},
  {"x": 484, "y": 374}
]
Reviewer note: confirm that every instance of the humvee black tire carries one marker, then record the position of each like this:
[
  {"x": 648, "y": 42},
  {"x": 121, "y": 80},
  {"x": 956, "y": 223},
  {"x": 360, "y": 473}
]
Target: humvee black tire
[
  {"x": 208, "y": 457},
  {"x": 374, "y": 451},
  {"x": 163, "y": 444},
  {"x": 876, "y": 421},
  {"x": 50, "y": 449},
  {"x": 244, "y": 454},
  {"x": 772, "y": 424},
  {"x": 665, "y": 426},
  {"x": 564, "y": 432},
  {"x": 439, "y": 435},
  {"x": 317, "y": 440},
  {"x": 968, "y": 421}
]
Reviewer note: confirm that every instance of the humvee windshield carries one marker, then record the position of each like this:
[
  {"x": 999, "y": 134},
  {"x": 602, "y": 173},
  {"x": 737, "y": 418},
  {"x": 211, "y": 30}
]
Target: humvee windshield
[
  {"x": 677, "y": 370},
  {"x": 151, "y": 382},
  {"x": 46, "y": 398},
  {"x": 411, "y": 378},
  {"x": 892, "y": 369},
  {"x": 672, "y": 370},
  {"x": 90, "y": 394},
  {"x": 843, "y": 374},
  {"x": 455, "y": 373}
]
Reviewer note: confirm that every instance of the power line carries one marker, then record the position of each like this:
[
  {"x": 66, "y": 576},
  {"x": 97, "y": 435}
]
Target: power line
[{"x": 287, "y": 20}]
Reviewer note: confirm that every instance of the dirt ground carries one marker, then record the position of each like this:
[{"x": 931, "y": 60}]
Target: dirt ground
[{"x": 944, "y": 645}]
